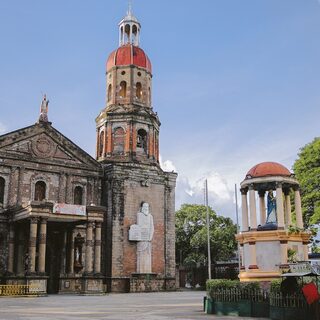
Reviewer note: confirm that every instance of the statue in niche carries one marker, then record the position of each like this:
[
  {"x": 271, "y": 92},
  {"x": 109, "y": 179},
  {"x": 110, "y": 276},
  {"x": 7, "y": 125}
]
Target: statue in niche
[
  {"x": 271, "y": 221},
  {"x": 78, "y": 243},
  {"x": 142, "y": 232},
  {"x": 271, "y": 208}
]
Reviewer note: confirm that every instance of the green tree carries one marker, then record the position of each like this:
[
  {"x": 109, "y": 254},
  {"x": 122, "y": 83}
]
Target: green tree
[
  {"x": 191, "y": 235},
  {"x": 307, "y": 171}
]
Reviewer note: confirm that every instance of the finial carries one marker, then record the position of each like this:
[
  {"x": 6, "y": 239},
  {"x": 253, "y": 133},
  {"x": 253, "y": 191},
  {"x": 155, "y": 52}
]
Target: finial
[
  {"x": 44, "y": 109},
  {"x": 129, "y": 7}
]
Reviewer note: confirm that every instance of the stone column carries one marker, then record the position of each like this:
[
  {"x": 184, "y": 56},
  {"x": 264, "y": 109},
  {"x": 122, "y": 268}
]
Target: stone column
[
  {"x": 297, "y": 204},
  {"x": 21, "y": 251},
  {"x": 64, "y": 253},
  {"x": 280, "y": 211},
  {"x": 11, "y": 248},
  {"x": 33, "y": 244},
  {"x": 287, "y": 208},
  {"x": 97, "y": 249},
  {"x": 284, "y": 251},
  {"x": 244, "y": 208},
  {"x": 253, "y": 255},
  {"x": 88, "y": 267},
  {"x": 71, "y": 256},
  {"x": 253, "y": 209},
  {"x": 42, "y": 245},
  {"x": 262, "y": 205}
]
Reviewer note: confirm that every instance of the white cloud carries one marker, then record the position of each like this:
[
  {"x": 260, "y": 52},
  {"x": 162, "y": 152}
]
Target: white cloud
[
  {"x": 167, "y": 165},
  {"x": 3, "y": 128}
]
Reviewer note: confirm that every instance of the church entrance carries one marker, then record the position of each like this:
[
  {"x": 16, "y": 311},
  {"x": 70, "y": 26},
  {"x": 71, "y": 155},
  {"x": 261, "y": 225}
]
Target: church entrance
[{"x": 54, "y": 256}]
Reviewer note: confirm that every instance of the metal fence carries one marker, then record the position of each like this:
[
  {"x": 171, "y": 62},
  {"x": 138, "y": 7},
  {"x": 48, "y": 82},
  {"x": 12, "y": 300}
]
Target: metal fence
[
  {"x": 18, "y": 290},
  {"x": 236, "y": 294},
  {"x": 293, "y": 300}
]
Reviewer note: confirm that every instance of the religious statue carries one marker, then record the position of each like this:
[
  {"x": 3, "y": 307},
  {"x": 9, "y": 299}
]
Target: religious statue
[
  {"x": 271, "y": 221},
  {"x": 142, "y": 232},
  {"x": 44, "y": 109},
  {"x": 271, "y": 208}
]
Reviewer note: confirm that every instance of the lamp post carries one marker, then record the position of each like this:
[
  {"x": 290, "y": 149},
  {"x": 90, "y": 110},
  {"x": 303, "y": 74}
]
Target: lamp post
[{"x": 208, "y": 229}]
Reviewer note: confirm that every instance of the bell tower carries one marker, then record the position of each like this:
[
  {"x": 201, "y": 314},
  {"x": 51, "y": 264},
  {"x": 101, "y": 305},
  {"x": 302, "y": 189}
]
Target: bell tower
[
  {"x": 127, "y": 128},
  {"x": 128, "y": 149}
]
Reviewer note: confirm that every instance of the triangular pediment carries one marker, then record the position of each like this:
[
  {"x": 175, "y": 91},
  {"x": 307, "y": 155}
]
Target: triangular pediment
[{"x": 41, "y": 142}]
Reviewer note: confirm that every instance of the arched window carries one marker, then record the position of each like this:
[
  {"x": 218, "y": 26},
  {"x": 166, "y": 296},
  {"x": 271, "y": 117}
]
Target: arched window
[
  {"x": 138, "y": 90},
  {"x": 134, "y": 34},
  {"x": 142, "y": 140},
  {"x": 123, "y": 89},
  {"x": 118, "y": 140},
  {"x": 101, "y": 143},
  {"x": 127, "y": 33},
  {"x": 2, "y": 186},
  {"x": 77, "y": 195},
  {"x": 40, "y": 191},
  {"x": 109, "y": 92}
]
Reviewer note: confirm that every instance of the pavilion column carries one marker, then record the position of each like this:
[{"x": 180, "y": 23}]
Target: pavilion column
[
  {"x": 305, "y": 251},
  {"x": 284, "y": 251},
  {"x": 253, "y": 208},
  {"x": 262, "y": 205},
  {"x": 280, "y": 211},
  {"x": 253, "y": 255},
  {"x": 297, "y": 204},
  {"x": 11, "y": 248},
  {"x": 97, "y": 248},
  {"x": 71, "y": 256},
  {"x": 244, "y": 207},
  {"x": 242, "y": 262},
  {"x": 287, "y": 202},
  {"x": 88, "y": 266},
  {"x": 42, "y": 245},
  {"x": 33, "y": 244}
]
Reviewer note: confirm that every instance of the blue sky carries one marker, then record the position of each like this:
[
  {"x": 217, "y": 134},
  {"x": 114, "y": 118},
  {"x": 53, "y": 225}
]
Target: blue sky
[{"x": 235, "y": 82}]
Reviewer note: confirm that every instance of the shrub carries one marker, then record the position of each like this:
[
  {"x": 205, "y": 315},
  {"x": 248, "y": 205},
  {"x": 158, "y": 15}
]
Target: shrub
[{"x": 275, "y": 286}]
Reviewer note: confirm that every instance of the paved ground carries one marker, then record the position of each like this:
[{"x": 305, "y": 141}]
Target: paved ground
[{"x": 144, "y": 306}]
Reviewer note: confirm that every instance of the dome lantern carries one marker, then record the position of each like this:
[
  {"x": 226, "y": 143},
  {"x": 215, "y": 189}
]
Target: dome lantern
[{"x": 129, "y": 29}]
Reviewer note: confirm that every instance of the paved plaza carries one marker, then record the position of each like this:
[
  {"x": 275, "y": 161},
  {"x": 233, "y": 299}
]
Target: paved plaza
[{"x": 143, "y": 306}]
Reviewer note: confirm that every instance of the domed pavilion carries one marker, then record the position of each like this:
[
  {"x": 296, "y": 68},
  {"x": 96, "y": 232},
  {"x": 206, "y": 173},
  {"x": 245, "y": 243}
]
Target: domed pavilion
[{"x": 265, "y": 237}]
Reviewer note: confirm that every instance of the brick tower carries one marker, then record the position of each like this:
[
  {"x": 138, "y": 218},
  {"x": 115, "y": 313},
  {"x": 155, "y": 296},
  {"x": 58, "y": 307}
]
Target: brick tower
[{"x": 128, "y": 148}]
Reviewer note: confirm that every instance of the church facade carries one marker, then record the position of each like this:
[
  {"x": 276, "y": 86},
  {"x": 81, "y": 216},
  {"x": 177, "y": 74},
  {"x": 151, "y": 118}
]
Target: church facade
[{"x": 73, "y": 224}]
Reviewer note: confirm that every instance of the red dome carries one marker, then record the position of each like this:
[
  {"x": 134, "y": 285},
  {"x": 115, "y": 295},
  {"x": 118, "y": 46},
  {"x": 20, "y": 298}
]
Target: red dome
[
  {"x": 265, "y": 169},
  {"x": 129, "y": 55}
]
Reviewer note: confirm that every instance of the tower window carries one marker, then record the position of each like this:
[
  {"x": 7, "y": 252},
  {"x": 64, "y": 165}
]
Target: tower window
[
  {"x": 123, "y": 89},
  {"x": 118, "y": 140},
  {"x": 138, "y": 90},
  {"x": 101, "y": 143},
  {"x": 77, "y": 195},
  {"x": 109, "y": 92},
  {"x": 127, "y": 33},
  {"x": 40, "y": 191},
  {"x": 139, "y": 74},
  {"x": 123, "y": 73},
  {"x": 149, "y": 95},
  {"x": 142, "y": 140},
  {"x": 2, "y": 187}
]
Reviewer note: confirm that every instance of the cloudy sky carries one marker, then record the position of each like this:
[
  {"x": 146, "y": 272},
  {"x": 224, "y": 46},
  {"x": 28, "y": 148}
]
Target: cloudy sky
[{"x": 235, "y": 82}]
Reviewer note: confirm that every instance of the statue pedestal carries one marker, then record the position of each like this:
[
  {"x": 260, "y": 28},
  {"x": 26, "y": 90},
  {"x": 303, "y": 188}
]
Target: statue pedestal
[{"x": 146, "y": 282}]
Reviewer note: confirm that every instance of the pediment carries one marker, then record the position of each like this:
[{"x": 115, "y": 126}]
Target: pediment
[{"x": 44, "y": 143}]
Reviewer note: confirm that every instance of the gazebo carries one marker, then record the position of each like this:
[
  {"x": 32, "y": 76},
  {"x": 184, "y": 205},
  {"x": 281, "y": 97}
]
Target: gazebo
[{"x": 264, "y": 246}]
